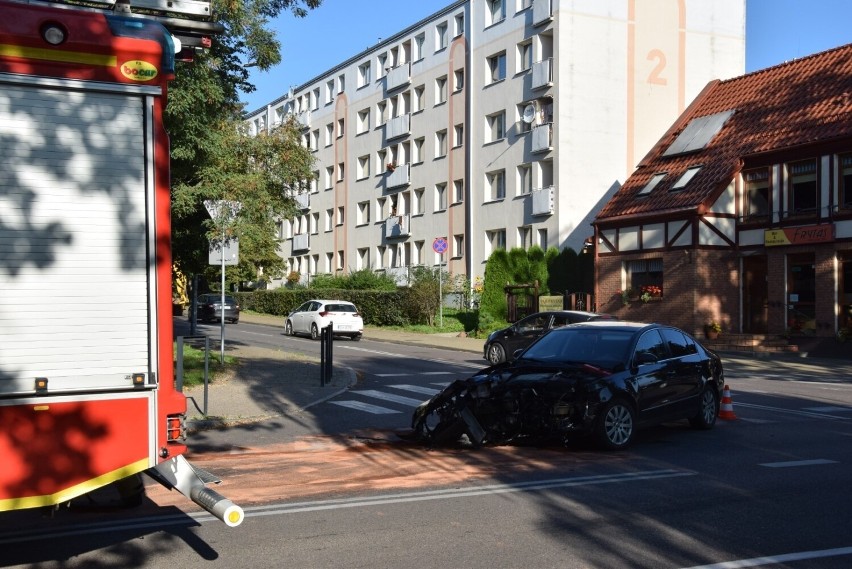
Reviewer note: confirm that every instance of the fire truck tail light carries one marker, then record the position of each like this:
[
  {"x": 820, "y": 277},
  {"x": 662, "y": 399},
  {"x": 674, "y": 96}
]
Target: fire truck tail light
[
  {"x": 53, "y": 33},
  {"x": 175, "y": 429}
]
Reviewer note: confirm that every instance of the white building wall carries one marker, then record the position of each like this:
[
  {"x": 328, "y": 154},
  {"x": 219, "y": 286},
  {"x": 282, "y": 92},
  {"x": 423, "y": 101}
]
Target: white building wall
[{"x": 623, "y": 70}]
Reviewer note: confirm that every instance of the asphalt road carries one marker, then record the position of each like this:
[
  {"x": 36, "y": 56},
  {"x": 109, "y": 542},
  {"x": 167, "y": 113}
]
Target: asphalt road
[{"x": 767, "y": 490}]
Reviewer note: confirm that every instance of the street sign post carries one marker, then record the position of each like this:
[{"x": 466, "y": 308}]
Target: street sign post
[
  {"x": 223, "y": 213},
  {"x": 439, "y": 245}
]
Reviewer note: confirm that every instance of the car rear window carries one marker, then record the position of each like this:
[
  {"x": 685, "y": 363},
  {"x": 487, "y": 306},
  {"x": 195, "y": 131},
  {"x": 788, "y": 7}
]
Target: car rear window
[{"x": 340, "y": 308}]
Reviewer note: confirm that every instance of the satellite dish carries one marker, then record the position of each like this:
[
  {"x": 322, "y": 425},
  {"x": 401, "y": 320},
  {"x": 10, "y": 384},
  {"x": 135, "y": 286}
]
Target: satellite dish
[{"x": 529, "y": 113}]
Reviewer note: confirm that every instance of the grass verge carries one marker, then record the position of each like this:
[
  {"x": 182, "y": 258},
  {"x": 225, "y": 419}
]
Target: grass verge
[{"x": 193, "y": 365}]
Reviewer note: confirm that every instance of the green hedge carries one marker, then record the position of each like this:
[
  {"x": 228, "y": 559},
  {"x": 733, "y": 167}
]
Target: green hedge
[{"x": 378, "y": 308}]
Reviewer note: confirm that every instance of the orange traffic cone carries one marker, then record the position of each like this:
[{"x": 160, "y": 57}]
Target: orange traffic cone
[{"x": 726, "y": 411}]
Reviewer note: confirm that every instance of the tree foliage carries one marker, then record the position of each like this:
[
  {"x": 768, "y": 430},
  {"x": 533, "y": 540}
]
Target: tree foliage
[{"x": 212, "y": 157}]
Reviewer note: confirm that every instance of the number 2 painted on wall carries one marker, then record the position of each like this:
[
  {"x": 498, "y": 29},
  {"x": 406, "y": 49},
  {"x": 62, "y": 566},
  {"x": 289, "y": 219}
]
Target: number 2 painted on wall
[{"x": 655, "y": 76}]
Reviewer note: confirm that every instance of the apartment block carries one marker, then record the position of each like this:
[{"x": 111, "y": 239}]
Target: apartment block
[{"x": 492, "y": 124}]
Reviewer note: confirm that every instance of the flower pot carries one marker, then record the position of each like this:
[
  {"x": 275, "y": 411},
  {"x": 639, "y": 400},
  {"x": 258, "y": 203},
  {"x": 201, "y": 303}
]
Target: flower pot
[{"x": 711, "y": 334}]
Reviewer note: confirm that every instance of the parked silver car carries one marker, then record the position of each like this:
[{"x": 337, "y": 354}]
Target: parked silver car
[{"x": 314, "y": 315}]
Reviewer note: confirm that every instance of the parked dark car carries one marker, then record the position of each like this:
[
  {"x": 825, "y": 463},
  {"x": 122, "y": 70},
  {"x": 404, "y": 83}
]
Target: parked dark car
[
  {"x": 602, "y": 378},
  {"x": 501, "y": 344},
  {"x": 210, "y": 308}
]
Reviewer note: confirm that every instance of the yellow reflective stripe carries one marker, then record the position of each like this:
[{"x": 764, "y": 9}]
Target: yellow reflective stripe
[
  {"x": 74, "y": 491},
  {"x": 7, "y": 50}
]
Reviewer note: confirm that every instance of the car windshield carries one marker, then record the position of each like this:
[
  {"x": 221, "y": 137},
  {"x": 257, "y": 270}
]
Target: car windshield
[
  {"x": 601, "y": 348},
  {"x": 340, "y": 308}
]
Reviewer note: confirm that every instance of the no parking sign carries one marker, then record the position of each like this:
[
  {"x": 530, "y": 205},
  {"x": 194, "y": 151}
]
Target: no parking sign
[{"x": 439, "y": 245}]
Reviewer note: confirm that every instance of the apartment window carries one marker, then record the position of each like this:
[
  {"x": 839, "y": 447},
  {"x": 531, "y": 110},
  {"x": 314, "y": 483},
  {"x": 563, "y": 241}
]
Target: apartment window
[
  {"x": 802, "y": 188},
  {"x": 341, "y": 127},
  {"x": 380, "y": 256},
  {"x": 329, "y": 92},
  {"x": 524, "y": 4},
  {"x": 363, "y": 121},
  {"x": 418, "y": 207},
  {"x": 495, "y": 11},
  {"x": 458, "y": 80},
  {"x": 329, "y": 134},
  {"x": 315, "y": 223},
  {"x": 315, "y": 182},
  {"x": 458, "y": 135},
  {"x": 542, "y": 239},
  {"x": 363, "y": 167},
  {"x": 419, "y": 145},
  {"x": 381, "y": 112},
  {"x": 644, "y": 273},
  {"x": 382, "y": 61},
  {"x": 440, "y": 197},
  {"x": 314, "y": 140},
  {"x": 341, "y": 171},
  {"x": 525, "y": 56},
  {"x": 363, "y": 260},
  {"x": 339, "y": 219},
  {"x": 496, "y": 67},
  {"x": 341, "y": 260},
  {"x": 495, "y": 239},
  {"x": 329, "y": 177},
  {"x": 440, "y": 143},
  {"x": 495, "y": 185},
  {"x": 341, "y": 83},
  {"x": 381, "y": 203},
  {"x": 419, "y": 44},
  {"x": 458, "y": 246},
  {"x": 419, "y": 98},
  {"x": 329, "y": 219},
  {"x": 757, "y": 194},
  {"x": 458, "y": 25},
  {"x": 441, "y": 36},
  {"x": 845, "y": 195},
  {"x": 524, "y": 179},
  {"x": 441, "y": 90},
  {"x": 525, "y": 236},
  {"x": 419, "y": 247},
  {"x": 364, "y": 74},
  {"x": 315, "y": 99},
  {"x": 458, "y": 191},
  {"x": 523, "y": 125},
  {"x": 495, "y": 126},
  {"x": 329, "y": 261}
]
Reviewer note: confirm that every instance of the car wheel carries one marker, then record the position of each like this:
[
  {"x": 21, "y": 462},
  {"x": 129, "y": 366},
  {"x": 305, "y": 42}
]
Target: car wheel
[
  {"x": 315, "y": 333},
  {"x": 235, "y": 321},
  {"x": 496, "y": 354},
  {"x": 615, "y": 425},
  {"x": 707, "y": 411},
  {"x": 355, "y": 337},
  {"x": 288, "y": 328}
]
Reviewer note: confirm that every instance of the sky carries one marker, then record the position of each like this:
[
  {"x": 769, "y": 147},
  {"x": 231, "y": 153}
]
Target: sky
[{"x": 776, "y": 31}]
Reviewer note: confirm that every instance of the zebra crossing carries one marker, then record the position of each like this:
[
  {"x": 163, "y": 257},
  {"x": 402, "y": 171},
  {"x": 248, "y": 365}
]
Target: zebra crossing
[{"x": 404, "y": 395}]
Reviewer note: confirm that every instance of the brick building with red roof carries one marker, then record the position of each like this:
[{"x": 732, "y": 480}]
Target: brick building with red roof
[{"x": 742, "y": 212}]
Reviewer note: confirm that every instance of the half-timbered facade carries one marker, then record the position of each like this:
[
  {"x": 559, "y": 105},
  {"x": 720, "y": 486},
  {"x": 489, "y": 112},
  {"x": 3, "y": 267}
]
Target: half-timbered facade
[{"x": 742, "y": 212}]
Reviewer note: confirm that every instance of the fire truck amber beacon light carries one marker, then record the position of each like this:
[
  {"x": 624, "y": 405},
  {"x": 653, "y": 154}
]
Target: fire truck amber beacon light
[{"x": 54, "y": 34}]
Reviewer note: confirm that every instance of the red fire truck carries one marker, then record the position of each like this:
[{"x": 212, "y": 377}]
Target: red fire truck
[{"x": 87, "y": 389}]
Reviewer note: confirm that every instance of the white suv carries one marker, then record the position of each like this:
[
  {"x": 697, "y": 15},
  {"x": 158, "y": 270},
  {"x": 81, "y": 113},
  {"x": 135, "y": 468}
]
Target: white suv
[{"x": 314, "y": 315}]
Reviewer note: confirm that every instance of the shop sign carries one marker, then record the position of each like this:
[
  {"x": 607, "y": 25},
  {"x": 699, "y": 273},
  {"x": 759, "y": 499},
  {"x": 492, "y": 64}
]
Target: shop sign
[
  {"x": 548, "y": 303},
  {"x": 799, "y": 235}
]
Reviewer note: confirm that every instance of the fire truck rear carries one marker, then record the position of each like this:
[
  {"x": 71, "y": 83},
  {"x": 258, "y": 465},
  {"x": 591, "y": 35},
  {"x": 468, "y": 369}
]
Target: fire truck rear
[{"x": 87, "y": 391}]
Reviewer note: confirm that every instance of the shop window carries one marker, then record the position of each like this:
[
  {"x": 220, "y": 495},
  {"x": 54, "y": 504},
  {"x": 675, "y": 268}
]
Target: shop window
[
  {"x": 802, "y": 197},
  {"x": 801, "y": 293}
]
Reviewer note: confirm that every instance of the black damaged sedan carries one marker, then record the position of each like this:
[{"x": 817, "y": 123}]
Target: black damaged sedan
[{"x": 602, "y": 378}]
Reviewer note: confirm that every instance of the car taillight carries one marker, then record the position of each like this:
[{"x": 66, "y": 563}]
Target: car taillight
[{"x": 324, "y": 313}]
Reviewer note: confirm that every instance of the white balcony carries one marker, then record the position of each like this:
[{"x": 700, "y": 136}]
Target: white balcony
[
  {"x": 542, "y": 138},
  {"x": 399, "y": 176},
  {"x": 542, "y": 201},
  {"x": 300, "y": 243},
  {"x": 397, "y": 226},
  {"x": 398, "y": 77},
  {"x": 398, "y": 126},
  {"x": 542, "y": 12},
  {"x": 542, "y": 73},
  {"x": 303, "y": 201},
  {"x": 304, "y": 119}
]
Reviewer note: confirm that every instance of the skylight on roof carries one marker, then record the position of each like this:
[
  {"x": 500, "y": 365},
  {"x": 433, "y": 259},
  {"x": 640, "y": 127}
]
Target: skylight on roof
[
  {"x": 686, "y": 177},
  {"x": 652, "y": 183},
  {"x": 698, "y": 133}
]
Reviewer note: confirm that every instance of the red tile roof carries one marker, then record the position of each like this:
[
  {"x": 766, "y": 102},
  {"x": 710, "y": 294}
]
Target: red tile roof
[{"x": 801, "y": 102}]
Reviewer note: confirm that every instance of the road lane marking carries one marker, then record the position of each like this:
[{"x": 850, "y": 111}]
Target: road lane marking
[
  {"x": 790, "y": 463},
  {"x": 417, "y": 389},
  {"x": 361, "y": 406},
  {"x": 829, "y": 409},
  {"x": 792, "y": 411},
  {"x": 776, "y": 559},
  {"x": 389, "y": 397},
  {"x": 409, "y": 356}
]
